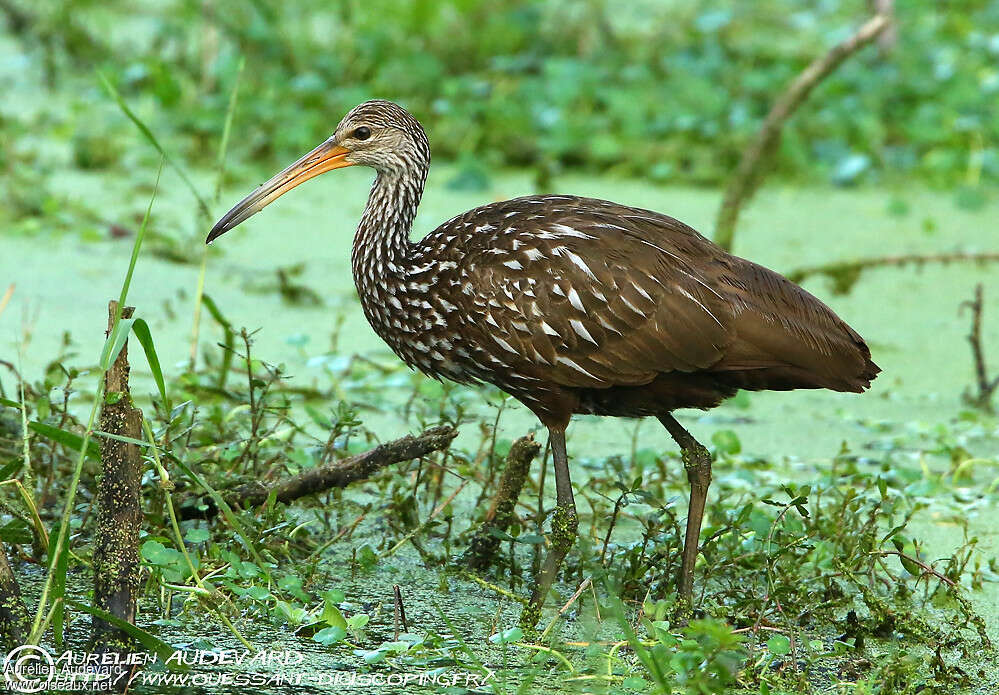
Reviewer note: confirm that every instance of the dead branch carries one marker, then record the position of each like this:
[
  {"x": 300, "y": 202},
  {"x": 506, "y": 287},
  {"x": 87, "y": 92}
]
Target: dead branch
[
  {"x": 986, "y": 386},
  {"x": 844, "y": 274},
  {"x": 889, "y": 37},
  {"x": 119, "y": 512},
  {"x": 337, "y": 474},
  {"x": 749, "y": 174},
  {"x": 482, "y": 549}
]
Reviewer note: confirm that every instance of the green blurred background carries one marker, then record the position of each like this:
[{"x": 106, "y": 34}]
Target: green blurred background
[{"x": 669, "y": 91}]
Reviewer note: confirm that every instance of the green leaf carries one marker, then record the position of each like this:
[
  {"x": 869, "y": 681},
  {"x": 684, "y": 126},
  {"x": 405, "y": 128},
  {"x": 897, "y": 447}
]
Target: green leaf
[
  {"x": 156, "y": 553},
  {"x": 197, "y": 535},
  {"x": 332, "y": 616},
  {"x": 9, "y": 403},
  {"x": 727, "y": 442},
  {"x": 213, "y": 309},
  {"x": 634, "y": 683},
  {"x": 513, "y": 634},
  {"x": 330, "y": 635},
  {"x": 11, "y": 469},
  {"x": 116, "y": 342},
  {"x": 16, "y": 531},
  {"x": 911, "y": 567},
  {"x": 356, "y": 622},
  {"x": 779, "y": 645},
  {"x": 366, "y": 556},
  {"x": 258, "y": 593},
  {"x": 373, "y": 657},
  {"x": 119, "y": 438}
]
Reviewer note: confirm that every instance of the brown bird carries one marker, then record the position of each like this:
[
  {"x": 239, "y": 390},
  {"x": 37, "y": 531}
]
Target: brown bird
[{"x": 571, "y": 305}]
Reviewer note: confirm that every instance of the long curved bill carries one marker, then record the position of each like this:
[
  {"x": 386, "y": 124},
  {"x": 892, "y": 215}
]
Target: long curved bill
[{"x": 324, "y": 158}]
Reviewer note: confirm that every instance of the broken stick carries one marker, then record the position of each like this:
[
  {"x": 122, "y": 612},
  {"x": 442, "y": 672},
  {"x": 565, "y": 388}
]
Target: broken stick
[
  {"x": 482, "y": 549},
  {"x": 337, "y": 474}
]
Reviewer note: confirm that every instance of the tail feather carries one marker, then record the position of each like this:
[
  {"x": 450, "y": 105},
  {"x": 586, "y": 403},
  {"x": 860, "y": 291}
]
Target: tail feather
[{"x": 785, "y": 338}]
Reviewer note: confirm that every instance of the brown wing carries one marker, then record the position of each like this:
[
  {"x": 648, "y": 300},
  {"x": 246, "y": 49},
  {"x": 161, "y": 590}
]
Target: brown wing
[
  {"x": 591, "y": 294},
  {"x": 587, "y": 293}
]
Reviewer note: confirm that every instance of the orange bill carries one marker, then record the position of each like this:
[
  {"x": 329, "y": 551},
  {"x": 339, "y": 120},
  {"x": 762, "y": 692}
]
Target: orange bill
[{"x": 324, "y": 158}]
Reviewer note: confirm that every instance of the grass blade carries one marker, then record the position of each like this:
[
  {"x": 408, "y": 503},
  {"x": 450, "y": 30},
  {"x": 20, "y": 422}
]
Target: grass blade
[
  {"x": 115, "y": 342},
  {"x": 120, "y": 438},
  {"x": 230, "y": 339},
  {"x": 148, "y": 640},
  {"x": 10, "y": 470},
  {"x": 228, "y": 515},
  {"x": 68, "y": 439},
  {"x": 144, "y": 129},
  {"x": 141, "y": 330},
  {"x": 227, "y": 129},
  {"x": 58, "y": 561},
  {"x": 55, "y": 579}
]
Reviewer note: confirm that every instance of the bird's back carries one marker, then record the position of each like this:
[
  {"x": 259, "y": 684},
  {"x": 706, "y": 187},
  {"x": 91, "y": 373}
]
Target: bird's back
[{"x": 582, "y": 305}]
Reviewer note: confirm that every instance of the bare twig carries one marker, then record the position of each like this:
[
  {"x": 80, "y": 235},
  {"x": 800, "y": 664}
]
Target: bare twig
[
  {"x": 927, "y": 570},
  {"x": 400, "y": 612},
  {"x": 889, "y": 37},
  {"x": 986, "y": 386},
  {"x": 337, "y": 474},
  {"x": 749, "y": 173},
  {"x": 845, "y": 273},
  {"x": 565, "y": 607}
]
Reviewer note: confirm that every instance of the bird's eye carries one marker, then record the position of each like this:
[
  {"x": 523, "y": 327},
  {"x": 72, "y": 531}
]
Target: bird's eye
[{"x": 362, "y": 133}]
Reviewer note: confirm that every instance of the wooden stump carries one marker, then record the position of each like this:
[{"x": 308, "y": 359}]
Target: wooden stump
[{"x": 119, "y": 514}]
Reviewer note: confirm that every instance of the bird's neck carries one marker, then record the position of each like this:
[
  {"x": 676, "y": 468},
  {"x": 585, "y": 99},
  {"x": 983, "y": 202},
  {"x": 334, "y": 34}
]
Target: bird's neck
[
  {"x": 382, "y": 238},
  {"x": 382, "y": 252}
]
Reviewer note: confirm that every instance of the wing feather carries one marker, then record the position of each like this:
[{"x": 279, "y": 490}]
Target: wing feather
[{"x": 613, "y": 298}]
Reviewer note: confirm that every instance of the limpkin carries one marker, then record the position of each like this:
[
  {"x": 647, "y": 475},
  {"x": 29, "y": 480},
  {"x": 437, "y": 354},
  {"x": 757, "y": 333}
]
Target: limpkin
[{"x": 571, "y": 305}]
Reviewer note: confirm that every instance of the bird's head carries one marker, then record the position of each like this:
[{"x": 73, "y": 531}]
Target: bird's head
[{"x": 377, "y": 134}]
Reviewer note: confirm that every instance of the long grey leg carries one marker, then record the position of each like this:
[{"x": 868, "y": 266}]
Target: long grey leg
[
  {"x": 563, "y": 534},
  {"x": 697, "y": 461}
]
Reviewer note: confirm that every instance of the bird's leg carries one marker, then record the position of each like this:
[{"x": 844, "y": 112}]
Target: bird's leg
[
  {"x": 563, "y": 534},
  {"x": 697, "y": 461}
]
